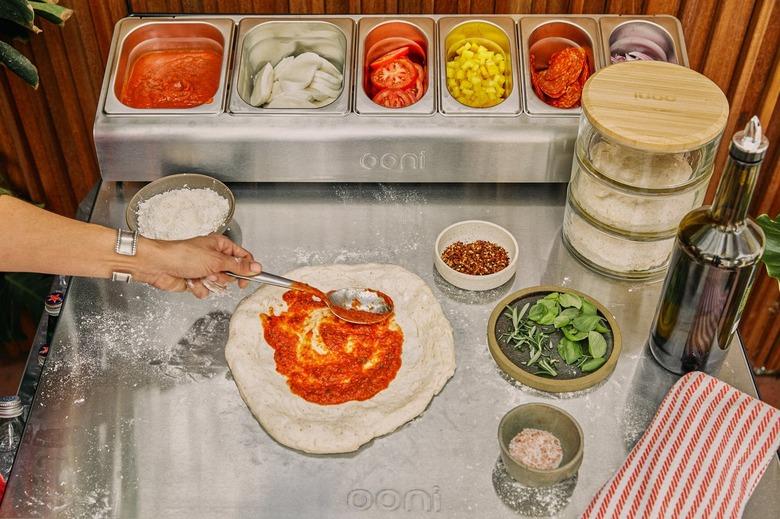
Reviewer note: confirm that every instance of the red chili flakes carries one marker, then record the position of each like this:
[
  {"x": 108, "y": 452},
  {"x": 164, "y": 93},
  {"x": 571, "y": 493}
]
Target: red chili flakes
[
  {"x": 561, "y": 83},
  {"x": 478, "y": 258}
]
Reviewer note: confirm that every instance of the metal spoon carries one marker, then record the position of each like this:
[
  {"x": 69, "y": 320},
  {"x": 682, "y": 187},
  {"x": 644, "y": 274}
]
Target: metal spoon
[{"x": 354, "y": 305}]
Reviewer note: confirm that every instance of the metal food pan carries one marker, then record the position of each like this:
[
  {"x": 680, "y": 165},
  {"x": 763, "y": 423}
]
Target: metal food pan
[
  {"x": 664, "y": 30},
  {"x": 264, "y": 40},
  {"x": 561, "y": 31},
  {"x": 139, "y": 35},
  {"x": 371, "y": 31},
  {"x": 497, "y": 29}
]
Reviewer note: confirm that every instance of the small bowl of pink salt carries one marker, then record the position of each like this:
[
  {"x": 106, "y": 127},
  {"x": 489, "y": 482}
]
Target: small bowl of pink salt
[{"x": 541, "y": 444}]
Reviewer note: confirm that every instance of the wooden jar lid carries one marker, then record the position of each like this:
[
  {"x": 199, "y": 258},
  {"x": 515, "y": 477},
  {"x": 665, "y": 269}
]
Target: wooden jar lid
[{"x": 655, "y": 106}]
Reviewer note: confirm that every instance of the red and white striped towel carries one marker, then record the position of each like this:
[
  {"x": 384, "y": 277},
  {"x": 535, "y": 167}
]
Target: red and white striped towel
[{"x": 702, "y": 456}]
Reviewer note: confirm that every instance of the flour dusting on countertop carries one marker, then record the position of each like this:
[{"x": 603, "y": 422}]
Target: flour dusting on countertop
[
  {"x": 182, "y": 213},
  {"x": 531, "y": 501}
]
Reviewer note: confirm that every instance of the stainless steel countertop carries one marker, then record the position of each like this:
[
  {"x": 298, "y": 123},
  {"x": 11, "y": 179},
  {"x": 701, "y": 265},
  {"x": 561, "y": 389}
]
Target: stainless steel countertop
[{"x": 136, "y": 414}]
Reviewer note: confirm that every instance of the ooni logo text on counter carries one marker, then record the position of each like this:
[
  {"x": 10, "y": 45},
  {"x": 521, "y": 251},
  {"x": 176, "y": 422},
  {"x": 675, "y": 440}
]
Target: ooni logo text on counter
[
  {"x": 393, "y": 161},
  {"x": 389, "y": 500}
]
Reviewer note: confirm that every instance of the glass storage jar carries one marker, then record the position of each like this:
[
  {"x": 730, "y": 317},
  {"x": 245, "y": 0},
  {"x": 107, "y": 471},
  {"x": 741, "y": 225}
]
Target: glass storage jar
[{"x": 644, "y": 155}]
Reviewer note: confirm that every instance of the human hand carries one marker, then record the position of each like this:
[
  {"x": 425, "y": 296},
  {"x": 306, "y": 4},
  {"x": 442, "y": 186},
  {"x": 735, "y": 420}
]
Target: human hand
[{"x": 188, "y": 264}]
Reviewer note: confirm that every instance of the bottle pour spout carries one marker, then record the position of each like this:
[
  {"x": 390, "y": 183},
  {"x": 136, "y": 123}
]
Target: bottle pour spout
[{"x": 750, "y": 144}]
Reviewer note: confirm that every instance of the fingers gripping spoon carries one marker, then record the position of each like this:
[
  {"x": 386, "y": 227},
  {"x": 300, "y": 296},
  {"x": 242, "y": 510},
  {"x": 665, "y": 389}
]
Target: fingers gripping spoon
[{"x": 354, "y": 305}]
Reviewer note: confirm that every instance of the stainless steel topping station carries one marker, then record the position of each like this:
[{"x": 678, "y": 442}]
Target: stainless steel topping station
[
  {"x": 136, "y": 414},
  {"x": 354, "y": 140}
]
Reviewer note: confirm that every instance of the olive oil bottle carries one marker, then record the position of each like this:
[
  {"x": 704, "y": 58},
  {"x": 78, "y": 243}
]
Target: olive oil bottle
[{"x": 713, "y": 266}]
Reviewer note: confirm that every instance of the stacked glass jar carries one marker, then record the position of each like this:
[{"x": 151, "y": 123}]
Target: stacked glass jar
[{"x": 644, "y": 155}]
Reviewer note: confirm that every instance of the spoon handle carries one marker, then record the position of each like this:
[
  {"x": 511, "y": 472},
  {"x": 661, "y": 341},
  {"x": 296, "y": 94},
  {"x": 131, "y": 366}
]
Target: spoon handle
[{"x": 268, "y": 279}]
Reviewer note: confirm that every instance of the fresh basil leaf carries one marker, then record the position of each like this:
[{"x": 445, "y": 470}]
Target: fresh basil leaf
[
  {"x": 552, "y": 296},
  {"x": 588, "y": 308},
  {"x": 544, "y": 311},
  {"x": 570, "y": 300},
  {"x": 592, "y": 364},
  {"x": 569, "y": 351},
  {"x": 597, "y": 346},
  {"x": 552, "y": 306},
  {"x": 573, "y": 334},
  {"x": 601, "y": 327},
  {"x": 537, "y": 311},
  {"x": 565, "y": 317},
  {"x": 772, "y": 249},
  {"x": 586, "y": 323}
]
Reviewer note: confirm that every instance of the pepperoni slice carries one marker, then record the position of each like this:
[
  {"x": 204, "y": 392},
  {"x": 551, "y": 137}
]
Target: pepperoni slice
[
  {"x": 551, "y": 86},
  {"x": 560, "y": 85},
  {"x": 566, "y": 64},
  {"x": 584, "y": 75},
  {"x": 570, "y": 98},
  {"x": 535, "y": 80}
]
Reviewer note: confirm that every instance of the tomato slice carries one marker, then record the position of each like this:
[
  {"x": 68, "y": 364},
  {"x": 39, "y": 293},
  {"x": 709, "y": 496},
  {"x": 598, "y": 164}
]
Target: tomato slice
[
  {"x": 390, "y": 56},
  {"x": 419, "y": 88},
  {"x": 394, "y": 98},
  {"x": 399, "y": 73}
]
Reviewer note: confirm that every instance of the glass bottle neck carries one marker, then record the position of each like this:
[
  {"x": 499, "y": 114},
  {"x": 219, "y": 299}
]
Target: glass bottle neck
[{"x": 735, "y": 190}]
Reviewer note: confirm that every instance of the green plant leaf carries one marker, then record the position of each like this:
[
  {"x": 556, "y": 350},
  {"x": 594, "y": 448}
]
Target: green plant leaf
[
  {"x": 573, "y": 334},
  {"x": 18, "y": 64},
  {"x": 551, "y": 305},
  {"x": 544, "y": 311},
  {"x": 601, "y": 327},
  {"x": 20, "y": 293},
  {"x": 772, "y": 248},
  {"x": 597, "y": 346},
  {"x": 586, "y": 323},
  {"x": 547, "y": 367},
  {"x": 565, "y": 317},
  {"x": 537, "y": 311},
  {"x": 569, "y": 351},
  {"x": 592, "y": 364},
  {"x": 552, "y": 296},
  {"x": 11, "y": 31},
  {"x": 18, "y": 11},
  {"x": 570, "y": 300},
  {"x": 52, "y": 12},
  {"x": 588, "y": 308}
]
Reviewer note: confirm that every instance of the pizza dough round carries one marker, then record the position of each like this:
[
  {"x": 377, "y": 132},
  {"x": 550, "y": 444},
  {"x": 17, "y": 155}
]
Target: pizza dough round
[{"x": 427, "y": 362}]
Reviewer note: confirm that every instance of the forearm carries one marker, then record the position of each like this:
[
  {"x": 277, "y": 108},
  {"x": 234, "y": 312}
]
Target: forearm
[{"x": 34, "y": 240}]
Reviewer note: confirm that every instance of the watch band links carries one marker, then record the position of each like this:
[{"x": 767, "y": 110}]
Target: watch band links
[{"x": 126, "y": 244}]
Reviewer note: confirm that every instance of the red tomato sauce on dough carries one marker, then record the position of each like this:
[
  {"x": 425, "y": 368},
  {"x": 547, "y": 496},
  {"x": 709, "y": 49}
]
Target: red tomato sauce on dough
[
  {"x": 327, "y": 360},
  {"x": 173, "y": 78}
]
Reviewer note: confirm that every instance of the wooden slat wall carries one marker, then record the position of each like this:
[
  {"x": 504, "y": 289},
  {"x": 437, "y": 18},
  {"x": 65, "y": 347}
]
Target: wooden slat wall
[{"x": 46, "y": 146}]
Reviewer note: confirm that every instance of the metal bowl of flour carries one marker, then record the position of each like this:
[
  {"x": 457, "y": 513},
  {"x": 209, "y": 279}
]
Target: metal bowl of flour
[{"x": 180, "y": 181}]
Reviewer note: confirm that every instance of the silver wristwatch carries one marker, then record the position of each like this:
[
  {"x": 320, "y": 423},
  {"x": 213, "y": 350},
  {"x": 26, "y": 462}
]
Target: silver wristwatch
[{"x": 126, "y": 243}]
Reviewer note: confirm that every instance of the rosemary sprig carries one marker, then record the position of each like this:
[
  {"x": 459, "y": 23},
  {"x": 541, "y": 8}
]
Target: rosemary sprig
[{"x": 526, "y": 334}]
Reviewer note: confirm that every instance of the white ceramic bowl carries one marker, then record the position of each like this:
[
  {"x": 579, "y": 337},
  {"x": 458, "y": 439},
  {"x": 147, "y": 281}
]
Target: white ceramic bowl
[{"x": 469, "y": 231}]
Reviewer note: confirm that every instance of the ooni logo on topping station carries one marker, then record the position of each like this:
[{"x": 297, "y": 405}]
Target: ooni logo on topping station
[
  {"x": 393, "y": 161},
  {"x": 389, "y": 500}
]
